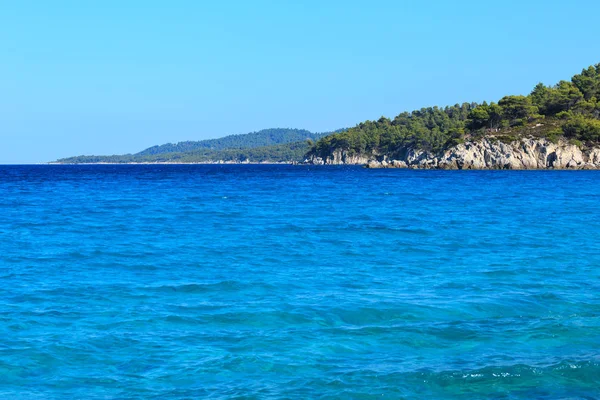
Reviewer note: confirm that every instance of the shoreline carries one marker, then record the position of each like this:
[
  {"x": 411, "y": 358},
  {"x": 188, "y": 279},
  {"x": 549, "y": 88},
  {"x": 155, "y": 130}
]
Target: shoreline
[{"x": 376, "y": 165}]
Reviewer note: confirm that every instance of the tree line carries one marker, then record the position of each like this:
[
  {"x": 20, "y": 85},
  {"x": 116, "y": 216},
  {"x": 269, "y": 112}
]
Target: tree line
[{"x": 569, "y": 109}]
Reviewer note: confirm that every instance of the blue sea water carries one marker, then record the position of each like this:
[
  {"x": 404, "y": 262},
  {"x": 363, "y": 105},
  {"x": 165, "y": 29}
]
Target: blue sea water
[{"x": 293, "y": 282}]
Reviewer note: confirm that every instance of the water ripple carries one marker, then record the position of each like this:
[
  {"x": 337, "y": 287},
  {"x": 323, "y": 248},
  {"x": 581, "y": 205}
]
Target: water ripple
[{"x": 271, "y": 282}]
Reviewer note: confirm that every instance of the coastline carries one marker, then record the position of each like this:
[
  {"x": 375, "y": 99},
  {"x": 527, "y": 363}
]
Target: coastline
[{"x": 484, "y": 154}]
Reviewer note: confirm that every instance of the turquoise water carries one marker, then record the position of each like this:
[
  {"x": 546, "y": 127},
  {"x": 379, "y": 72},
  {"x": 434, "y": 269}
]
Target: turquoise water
[{"x": 270, "y": 282}]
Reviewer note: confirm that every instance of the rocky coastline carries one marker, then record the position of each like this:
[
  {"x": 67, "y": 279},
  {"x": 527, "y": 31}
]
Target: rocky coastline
[{"x": 481, "y": 154}]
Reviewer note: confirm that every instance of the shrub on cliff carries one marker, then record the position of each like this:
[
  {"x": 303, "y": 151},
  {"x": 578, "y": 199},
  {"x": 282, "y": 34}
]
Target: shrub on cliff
[{"x": 581, "y": 128}]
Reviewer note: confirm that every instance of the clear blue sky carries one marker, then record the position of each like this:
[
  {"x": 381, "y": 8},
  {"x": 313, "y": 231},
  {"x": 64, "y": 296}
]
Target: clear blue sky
[{"x": 113, "y": 76}]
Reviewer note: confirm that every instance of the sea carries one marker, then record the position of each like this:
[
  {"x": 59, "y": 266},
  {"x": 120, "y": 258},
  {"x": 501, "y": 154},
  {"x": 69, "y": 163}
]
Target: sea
[{"x": 298, "y": 282}]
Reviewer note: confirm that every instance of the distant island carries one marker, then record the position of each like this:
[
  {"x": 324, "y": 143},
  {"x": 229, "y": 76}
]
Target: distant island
[
  {"x": 279, "y": 145},
  {"x": 554, "y": 127}
]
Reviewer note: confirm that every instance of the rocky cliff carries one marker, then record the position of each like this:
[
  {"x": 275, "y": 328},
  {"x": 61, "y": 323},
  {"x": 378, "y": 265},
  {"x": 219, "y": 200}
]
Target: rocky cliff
[{"x": 483, "y": 154}]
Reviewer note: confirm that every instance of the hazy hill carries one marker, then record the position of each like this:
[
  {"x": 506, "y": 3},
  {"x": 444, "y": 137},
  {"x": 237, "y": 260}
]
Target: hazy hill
[
  {"x": 275, "y": 145},
  {"x": 265, "y": 137}
]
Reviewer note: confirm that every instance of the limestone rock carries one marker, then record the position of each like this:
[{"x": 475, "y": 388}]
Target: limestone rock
[{"x": 482, "y": 154}]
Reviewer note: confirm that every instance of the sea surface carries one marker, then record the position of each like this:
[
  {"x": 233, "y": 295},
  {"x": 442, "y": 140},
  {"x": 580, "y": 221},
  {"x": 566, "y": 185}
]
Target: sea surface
[{"x": 296, "y": 282}]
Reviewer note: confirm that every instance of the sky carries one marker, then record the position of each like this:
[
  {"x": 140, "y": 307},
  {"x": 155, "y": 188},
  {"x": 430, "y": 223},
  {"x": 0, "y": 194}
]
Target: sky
[{"x": 113, "y": 77}]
